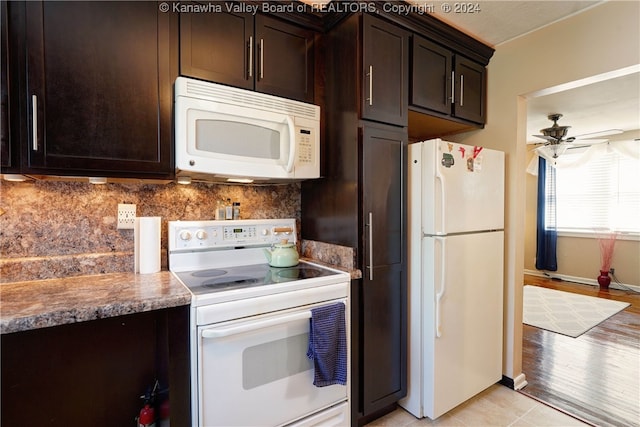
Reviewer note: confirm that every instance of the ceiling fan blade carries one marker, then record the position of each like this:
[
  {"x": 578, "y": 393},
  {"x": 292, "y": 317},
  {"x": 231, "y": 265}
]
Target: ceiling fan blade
[
  {"x": 589, "y": 141},
  {"x": 606, "y": 132}
]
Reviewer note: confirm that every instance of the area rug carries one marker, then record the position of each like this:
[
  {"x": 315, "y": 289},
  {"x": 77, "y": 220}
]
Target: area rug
[{"x": 564, "y": 312}]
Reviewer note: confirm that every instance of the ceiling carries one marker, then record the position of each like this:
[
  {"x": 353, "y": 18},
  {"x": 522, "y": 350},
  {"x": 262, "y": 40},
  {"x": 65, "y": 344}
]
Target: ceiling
[
  {"x": 609, "y": 104},
  {"x": 496, "y": 22}
]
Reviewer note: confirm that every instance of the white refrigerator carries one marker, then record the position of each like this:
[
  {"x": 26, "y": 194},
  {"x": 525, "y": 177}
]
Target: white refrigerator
[{"x": 456, "y": 259}]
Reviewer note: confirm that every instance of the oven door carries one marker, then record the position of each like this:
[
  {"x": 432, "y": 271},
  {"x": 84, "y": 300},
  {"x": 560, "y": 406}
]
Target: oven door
[{"x": 255, "y": 371}]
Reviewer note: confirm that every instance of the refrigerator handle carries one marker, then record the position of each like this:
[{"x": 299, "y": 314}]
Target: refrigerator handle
[
  {"x": 440, "y": 292},
  {"x": 370, "y": 245},
  {"x": 443, "y": 201}
]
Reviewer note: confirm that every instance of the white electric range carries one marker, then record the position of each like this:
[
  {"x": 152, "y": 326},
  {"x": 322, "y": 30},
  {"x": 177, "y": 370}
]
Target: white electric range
[{"x": 250, "y": 325}]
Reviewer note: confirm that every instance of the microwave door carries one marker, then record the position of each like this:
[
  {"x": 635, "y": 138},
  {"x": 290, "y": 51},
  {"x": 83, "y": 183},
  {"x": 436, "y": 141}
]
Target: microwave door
[{"x": 232, "y": 141}]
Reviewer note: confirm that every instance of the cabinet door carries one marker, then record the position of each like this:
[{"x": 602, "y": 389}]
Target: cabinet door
[
  {"x": 431, "y": 76},
  {"x": 384, "y": 76},
  {"x": 218, "y": 47},
  {"x": 470, "y": 90},
  {"x": 383, "y": 319},
  {"x": 284, "y": 59},
  {"x": 6, "y": 152},
  {"x": 99, "y": 88}
]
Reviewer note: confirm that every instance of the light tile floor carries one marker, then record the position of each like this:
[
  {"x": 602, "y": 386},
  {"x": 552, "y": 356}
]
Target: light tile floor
[{"x": 496, "y": 406}]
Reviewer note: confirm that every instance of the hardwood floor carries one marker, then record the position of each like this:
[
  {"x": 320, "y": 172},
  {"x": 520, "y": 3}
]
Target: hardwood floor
[{"x": 595, "y": 376}]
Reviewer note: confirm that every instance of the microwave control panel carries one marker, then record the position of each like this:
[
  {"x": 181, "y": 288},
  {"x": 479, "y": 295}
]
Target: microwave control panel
[{"x": 305, "y": 139}]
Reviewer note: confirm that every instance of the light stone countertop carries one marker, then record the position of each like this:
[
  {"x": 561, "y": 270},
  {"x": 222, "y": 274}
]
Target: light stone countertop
[
  {"x": 53, "y": 302},
  {"x": 44, "y": 303}
]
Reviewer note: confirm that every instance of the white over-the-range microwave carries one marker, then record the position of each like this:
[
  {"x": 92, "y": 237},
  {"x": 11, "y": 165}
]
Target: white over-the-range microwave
[{"x": 228, "y": 134}]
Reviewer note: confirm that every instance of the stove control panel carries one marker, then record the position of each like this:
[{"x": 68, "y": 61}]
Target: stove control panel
[{"x": 203, "y": 235}]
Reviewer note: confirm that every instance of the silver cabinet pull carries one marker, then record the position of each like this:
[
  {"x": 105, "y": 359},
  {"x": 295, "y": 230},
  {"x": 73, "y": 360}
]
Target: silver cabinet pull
[
  {"x": 453, "y": 87},
  {"x": 34, "y": 121},
  {"x": 370, "y": 75},
  {"x": 461, "y": 90},
  {"x": 250, "y": 56},
  {"x": 370, "y": 245},
  {"x": 261, "y": 59}
]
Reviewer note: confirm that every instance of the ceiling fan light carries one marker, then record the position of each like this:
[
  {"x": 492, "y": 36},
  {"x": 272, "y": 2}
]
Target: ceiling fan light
[{"x": 553, "y": 151}]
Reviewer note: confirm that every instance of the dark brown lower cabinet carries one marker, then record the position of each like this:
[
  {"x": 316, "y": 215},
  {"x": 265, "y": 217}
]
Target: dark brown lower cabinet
[
  {"x": 383, "y": 309},
  {"x": 93, "y": 373},
  {"x": 361, "y": 203}
]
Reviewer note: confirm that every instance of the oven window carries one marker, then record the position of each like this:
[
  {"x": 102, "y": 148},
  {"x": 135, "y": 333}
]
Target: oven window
[
  {"x": 237, "y": 139},
  {"x": 274, "y": 360}
]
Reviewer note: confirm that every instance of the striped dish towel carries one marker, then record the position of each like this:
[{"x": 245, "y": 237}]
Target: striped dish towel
[{"x": 328, "y": 345}]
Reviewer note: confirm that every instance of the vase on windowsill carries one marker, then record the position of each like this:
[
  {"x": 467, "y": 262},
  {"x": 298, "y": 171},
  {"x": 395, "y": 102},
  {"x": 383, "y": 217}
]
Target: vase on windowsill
[{"x": 604, "y": 280}]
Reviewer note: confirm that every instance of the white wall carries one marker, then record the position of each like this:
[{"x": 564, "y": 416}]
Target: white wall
[{"x": 600, "y": 40}]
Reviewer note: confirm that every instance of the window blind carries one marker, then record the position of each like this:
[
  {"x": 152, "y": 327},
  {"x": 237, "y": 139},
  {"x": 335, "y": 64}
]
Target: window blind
[{"x": 604, "y": 193}]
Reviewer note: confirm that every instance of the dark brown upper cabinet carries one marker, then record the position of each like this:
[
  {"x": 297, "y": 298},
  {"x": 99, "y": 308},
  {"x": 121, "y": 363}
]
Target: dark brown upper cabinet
[
  {"x": 7, "y": 153},
  {"x": 447, "y": 83},
  {"x": 98, "y": 89},
  {"x": 384, "y": 77},
  {"x": 252, "y": 52}
]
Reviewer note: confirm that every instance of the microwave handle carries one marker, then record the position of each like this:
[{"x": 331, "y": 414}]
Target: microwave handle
[{"x": 292, "y": 144}]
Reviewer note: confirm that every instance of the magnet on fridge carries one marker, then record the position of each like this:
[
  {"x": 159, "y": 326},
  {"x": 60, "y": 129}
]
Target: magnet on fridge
[
  {"x": 477, "y": 164},
  {"x": 470, "y": 162},
  {"x": 447, "y": 160}
]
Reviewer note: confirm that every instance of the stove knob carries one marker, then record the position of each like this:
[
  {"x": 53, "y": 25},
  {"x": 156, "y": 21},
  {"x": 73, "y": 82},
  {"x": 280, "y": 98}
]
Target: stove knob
[
  {"x": 185, "y": 235},
  {"x": 201, "y": 234},
  {"x": 265, "y": 232}
]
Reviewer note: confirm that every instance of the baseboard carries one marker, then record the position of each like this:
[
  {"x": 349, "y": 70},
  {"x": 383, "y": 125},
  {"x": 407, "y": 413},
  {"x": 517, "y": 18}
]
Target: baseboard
[
  {"x": 514, "y": 384},
  {"x": 580, "y": 280}
]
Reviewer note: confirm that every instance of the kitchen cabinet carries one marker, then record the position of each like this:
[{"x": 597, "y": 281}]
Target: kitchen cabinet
[
  {"x": 256, "y": 52},
  {"x": 446, "y": 83},
  {"x": 94, "y": 372},
  {"x": 384, "y": 72},
  {"x": 383, "y": 315},
  {"x": 98, "y": 89},
  {"x": 360, "y": 203},
  {"x": 9, "y": 160}
]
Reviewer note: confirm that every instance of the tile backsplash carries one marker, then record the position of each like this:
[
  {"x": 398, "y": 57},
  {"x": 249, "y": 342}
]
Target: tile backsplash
[{"x": 56, "y": 229}]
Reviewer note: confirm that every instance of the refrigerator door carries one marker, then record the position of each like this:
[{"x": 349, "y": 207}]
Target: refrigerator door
[
  {"x": 462, "y": 187},
  {"x": 462, "y": 329}
]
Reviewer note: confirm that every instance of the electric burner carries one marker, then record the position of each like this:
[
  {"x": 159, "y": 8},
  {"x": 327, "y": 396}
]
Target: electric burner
[{"x": 209, "y": 273}]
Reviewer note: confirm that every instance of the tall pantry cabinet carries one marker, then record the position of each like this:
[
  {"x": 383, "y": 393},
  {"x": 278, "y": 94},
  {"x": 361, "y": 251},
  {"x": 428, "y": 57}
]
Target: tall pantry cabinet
[{"x": 360, "y": 201}]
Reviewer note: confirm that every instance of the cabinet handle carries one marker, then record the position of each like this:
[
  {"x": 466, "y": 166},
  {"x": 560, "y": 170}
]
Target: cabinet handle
[
  {"x": 250, "y": 56},
  {"x": 34, "y": 121},
  {"x": 261, "y": 59},
  {"x": 370, "y": 74},
  {"x": 370, "y": 246},
  {"x": 461, "y": 90},
  {"x": 453, "y": 87}
]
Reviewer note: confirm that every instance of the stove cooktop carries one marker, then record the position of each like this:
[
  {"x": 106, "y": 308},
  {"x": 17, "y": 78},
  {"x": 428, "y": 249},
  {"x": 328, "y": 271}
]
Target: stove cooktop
[{"x": 207, "y": 281}]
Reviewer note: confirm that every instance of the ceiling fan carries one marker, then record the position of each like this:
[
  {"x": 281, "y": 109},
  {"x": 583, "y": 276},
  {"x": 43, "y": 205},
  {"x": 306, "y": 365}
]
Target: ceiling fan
[{"x": 557, "y": 141}]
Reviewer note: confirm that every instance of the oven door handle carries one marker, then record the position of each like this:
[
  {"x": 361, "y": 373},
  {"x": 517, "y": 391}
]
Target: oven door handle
[{"x": 260, "y": 324}]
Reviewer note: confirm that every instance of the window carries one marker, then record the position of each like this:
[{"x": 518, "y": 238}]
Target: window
[{"x": 602, "y": 193}]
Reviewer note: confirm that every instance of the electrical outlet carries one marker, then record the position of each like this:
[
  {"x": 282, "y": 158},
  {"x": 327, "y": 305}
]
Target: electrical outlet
[
  {"x": 612, "y": 270},
  {"x": 126, "y": 216}
]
